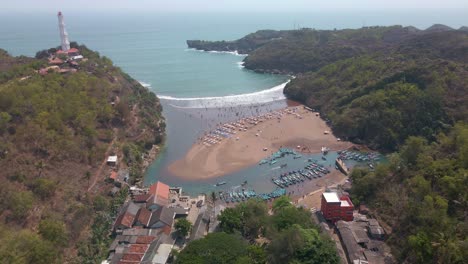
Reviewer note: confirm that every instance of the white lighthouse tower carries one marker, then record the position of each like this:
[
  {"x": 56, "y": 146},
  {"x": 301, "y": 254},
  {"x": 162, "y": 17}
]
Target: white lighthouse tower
[{"x": 63, "y": 33}]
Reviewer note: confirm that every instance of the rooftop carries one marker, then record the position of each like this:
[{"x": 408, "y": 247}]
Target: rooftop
[
  {"x": 160, "y": 189},
  {"x": 331, "y": 197}
]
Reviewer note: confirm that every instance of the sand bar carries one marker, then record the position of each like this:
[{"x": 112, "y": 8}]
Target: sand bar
[{"x": 289, "y": 127}]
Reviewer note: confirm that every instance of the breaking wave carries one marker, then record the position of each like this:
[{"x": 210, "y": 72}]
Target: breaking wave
[
  {"x": 236, "y": 53},
  {"x": 273, "y": 94}
]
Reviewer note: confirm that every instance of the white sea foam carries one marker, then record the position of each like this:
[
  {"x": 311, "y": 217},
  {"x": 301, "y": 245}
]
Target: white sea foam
[
  {"x": 236, "y": 53},
  {"x": 265, "y": 96},
  {"x": 144, "y": 84},
  {"x": 240, "y": 64}
]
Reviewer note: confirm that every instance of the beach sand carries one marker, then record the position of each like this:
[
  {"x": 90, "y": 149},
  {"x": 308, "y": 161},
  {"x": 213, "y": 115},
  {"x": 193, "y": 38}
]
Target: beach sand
[{"x": 246, "y": 148}]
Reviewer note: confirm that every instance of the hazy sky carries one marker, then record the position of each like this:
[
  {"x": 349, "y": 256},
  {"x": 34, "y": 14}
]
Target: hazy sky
[{"x": 224, "y": 5}]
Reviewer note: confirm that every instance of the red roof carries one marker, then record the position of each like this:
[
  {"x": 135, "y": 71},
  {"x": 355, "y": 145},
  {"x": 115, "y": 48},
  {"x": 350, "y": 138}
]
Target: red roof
[
  {"x": 144, "y": 216},
  {"x": 113, "y": 175},
  {"x": 60, "y": 52},
  {"x": 141, "y": 198},
  {"x": 145, "y": 239},
  {"x": 125, "y": 219},
  {"x": 73, "y": 50},
  {"x": 160, "y": 189},
  {"x": 167, "y": 229},
  {"x": 132, "y": 257},
  {"x": 138, "y": 249},
  {"x": 56, "y": 61}
]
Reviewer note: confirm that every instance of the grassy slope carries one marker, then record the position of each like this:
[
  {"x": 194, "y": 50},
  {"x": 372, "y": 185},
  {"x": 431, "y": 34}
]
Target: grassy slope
[{"x": 54, "y": 133}]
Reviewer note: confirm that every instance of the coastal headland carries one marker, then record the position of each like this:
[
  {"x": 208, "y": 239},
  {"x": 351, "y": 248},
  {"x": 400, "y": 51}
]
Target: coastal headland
[{"x": 255, "y": 139}]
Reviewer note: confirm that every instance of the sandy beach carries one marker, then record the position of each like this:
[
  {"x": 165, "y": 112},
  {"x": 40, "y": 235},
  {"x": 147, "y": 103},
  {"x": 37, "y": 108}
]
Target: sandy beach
[{"x": 289, "y": 127}]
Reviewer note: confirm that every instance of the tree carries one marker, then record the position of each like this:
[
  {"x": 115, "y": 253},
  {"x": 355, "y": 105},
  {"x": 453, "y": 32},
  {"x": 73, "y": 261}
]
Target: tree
[
  {"x": 215, "y": 248},
  {"x": 281, "y": 202},
  {"x": 40, "y": 166},
  {"x": 54, "y": 231},
  {"x": 183, "y": 226},
  {"x": 20, "y": 204},
  {"x": 44, "y": 188},
  {"x": 230, "y": 220},
  {"x": 288, "y": 216},
  {"x": 300, "y": 245},
  {"x": 213, "y": 197}
]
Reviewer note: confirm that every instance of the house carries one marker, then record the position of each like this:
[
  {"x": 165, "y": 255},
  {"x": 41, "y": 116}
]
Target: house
[
  {"x": 126, "y": 217},
  {"x": 143, "y": 217},
  {"x": 112, "y": 160},
  {"x": 358, "y": 246},
  {"x": 336, "y": 208},
  {"x": 56, "y": 61},
  {"x": 160, "y": 196},
  {"x": 73, "y": 52},
  {"x": 61, "y": 53},
  {"x": 113, "y": 176},
  {"x": 142, "y": 198},
  {"x": 162, "y": 218}
]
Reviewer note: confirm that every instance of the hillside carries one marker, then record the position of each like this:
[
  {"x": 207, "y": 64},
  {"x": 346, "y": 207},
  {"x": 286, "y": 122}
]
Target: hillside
[
  {"x": 355, "y": 77},
  {"x": 58, "y": 124},
  {"x": 396, "y": 89}
]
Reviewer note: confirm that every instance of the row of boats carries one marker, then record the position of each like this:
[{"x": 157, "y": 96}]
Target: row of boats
[
  {"x": 282, "y": 152},
  {"x": 240, "y": 196},
  {"x": 311, "y": 171},
  {"x": 358, "y": 156},
  {"x": 228, "y": 129}
]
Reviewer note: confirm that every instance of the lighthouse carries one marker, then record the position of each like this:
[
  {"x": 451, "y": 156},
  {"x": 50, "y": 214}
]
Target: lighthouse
[{"x": 63, "y": 33}]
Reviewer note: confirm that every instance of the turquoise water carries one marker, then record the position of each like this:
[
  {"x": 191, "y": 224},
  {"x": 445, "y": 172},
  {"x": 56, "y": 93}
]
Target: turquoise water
[
  {"x": 151, "y": 46},
  {"x": 198, "y": 89}
]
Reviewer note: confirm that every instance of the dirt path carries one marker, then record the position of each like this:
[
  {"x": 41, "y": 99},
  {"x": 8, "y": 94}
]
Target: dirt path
[{"x": 104, "y": 162}]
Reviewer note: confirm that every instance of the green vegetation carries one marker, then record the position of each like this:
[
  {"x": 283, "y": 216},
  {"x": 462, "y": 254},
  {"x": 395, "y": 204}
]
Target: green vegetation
[
  {"x": 422, "y": 194},
  {"x": 393, "y": 89},
  {"x": 289, "y": 236},
  {"x": 183, "y": 226},
  {"x": 55, "y": 131}
]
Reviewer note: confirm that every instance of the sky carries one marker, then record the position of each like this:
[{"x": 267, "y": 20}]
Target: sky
[{"x": 224, "y": 5}]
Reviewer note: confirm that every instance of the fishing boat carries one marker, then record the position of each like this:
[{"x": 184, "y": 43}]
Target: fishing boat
[
  {"x": 323, "y": 157},
  {"x": 220, "y": 183},
  {"x": 273, "y": 162}
]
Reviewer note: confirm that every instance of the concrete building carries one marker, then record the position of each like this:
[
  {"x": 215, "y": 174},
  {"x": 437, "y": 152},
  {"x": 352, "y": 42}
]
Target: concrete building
[{"x": 335, "y": 208}]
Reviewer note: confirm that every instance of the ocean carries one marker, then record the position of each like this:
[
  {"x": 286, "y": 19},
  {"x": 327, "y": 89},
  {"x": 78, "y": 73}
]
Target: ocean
[{"x": 197, "y": 89}]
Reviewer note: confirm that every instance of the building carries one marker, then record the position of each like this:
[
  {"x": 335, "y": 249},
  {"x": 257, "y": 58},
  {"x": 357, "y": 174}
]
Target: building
[
  {"x": 64, "y": 42},
  {"x": 359, "y": 246},
  {"x": 112, "y": 160},
  {"x": 336, "y": 208},
  {"x": 127, "y": 218},
  {"x": 160, "y": 196}
]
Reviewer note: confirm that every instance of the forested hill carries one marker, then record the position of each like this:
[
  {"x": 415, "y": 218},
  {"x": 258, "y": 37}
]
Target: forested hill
[
  {"x": 394, "y": 89},
  {"x": 58, "y": 124},
  {"x": 370, "y": 83}
]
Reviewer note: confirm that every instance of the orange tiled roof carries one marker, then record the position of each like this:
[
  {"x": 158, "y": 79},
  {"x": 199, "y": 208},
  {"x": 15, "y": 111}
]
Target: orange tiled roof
[
  {"x": 73, "y": 50},
  {"x": 144, "y": 216},
  {"x": 160, "y": 189},
  {"x": 138, "y": 248},
  {"x": 132, "y": 257},
  {"x": 113, "y": 175}
]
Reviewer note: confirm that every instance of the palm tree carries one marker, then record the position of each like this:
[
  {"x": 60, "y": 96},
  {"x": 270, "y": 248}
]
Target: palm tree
[
  {"x": 213, "y": 197},
  {"x": 88, "y": 177},
  {"x": 40, "y": 166}
]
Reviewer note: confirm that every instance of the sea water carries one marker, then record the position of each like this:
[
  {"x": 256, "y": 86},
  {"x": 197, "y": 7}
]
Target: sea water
[{"x": 197, "y": 89}]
